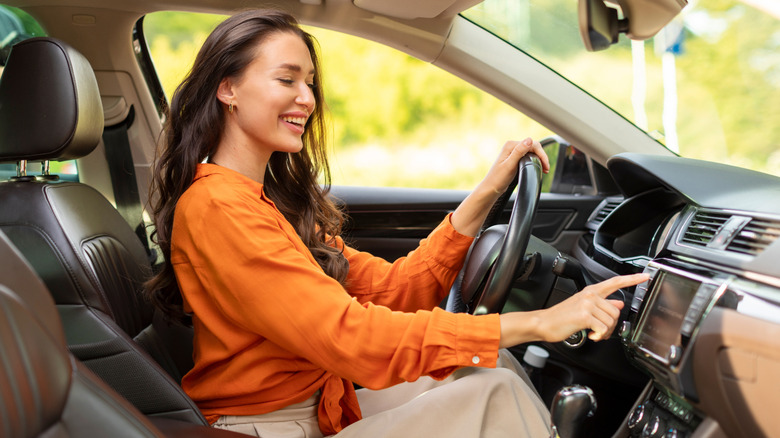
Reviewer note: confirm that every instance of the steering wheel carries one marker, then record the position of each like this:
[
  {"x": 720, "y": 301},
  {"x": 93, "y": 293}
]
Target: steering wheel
[{"x": 498, "y": 252}]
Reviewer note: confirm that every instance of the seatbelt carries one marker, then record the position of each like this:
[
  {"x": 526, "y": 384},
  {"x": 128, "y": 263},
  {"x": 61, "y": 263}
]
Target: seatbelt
[{"x": 123, "y": 180}]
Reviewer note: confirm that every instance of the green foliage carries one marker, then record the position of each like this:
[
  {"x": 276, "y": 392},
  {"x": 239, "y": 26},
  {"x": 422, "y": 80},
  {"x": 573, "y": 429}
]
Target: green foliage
[
  {"x": 552, "y": 151},
  {"x": 741, "y": 97},
  {"x": 174, "y": 39},
  {"x": 181, "y": 28},
  {"x": 31, "y": 27},
  {"x": 396, "y": 121},
  {"x": 375, "y": 92}
]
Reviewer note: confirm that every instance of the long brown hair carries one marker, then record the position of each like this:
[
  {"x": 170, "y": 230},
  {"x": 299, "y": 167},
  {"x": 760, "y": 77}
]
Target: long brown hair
[{"x": 194, "y": 126}]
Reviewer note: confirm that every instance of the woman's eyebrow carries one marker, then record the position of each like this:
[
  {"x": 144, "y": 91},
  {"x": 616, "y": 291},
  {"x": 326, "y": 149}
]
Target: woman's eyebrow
[{"x": 293, "y": 67}]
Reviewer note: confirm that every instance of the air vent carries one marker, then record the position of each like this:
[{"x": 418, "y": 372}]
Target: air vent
[
  {"x": 755, "y": 237},
  {"x": 703, "y": 227},
  {"x": 605, "y": 210}
]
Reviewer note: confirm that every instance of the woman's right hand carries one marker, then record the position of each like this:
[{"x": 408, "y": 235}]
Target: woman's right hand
[{"x": 589, "y": 309}]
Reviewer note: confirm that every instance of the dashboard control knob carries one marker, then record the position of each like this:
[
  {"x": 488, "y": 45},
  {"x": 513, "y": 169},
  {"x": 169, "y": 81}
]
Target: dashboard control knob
[
  {"x": 576, "y": 340},
  {"x": 655, "y": 428},
  {"x": 638, "y": 417}
]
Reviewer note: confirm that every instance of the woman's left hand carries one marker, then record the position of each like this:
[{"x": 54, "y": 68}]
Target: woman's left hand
[
  {"x": 469, "y": 216},
  {"x": 505, "y": 167}
]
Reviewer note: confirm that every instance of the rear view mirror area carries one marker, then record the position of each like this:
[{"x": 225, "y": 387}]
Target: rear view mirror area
[{"x": 600, "y": 24}]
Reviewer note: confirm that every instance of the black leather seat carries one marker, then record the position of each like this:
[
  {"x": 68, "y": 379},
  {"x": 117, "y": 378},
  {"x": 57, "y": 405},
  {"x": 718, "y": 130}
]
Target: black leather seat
[
  {"x": 44, "y": 390},
  {"x": 87, "y": 255}
]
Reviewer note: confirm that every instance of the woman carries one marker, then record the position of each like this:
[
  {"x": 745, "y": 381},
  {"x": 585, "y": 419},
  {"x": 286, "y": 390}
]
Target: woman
[{"x": 286, "y": 316}]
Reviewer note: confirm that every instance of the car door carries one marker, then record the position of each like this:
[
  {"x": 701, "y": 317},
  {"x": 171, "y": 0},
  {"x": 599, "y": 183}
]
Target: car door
[{"x": 390, "y": 221}]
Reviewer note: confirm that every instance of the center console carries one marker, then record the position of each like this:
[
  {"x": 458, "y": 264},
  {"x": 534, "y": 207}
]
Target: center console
[{"x": 664, "y": 317}]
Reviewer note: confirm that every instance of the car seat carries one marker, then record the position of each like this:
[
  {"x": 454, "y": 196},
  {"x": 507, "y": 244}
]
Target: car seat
[
  {"x": 87, "y": 255},
  {"x": 44, "y": 390}
]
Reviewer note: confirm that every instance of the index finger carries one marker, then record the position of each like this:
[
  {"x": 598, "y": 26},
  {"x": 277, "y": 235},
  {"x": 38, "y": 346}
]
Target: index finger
[{"x": 610, "y": 286}]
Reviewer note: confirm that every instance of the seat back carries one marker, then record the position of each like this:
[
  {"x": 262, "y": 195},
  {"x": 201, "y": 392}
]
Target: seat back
[
  {"x": 43, "y": 390},
  {"x": 87, "y": 255}
]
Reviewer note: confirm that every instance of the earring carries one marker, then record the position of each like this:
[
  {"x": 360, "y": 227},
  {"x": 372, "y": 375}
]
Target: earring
[{"x": 230, "y": 108}]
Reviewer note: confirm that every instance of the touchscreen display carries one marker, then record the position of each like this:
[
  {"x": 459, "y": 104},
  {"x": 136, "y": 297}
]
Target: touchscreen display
[{"x": 671, "y": 297}]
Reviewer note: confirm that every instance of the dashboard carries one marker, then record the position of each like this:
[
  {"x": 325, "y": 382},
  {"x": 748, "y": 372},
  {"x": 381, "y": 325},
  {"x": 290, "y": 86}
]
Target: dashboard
[{"x": 705, "y": 327}]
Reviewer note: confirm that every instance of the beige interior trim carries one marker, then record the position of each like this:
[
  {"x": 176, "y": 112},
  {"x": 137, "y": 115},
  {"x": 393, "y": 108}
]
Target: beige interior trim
[
  {"x": 737, "y": 363},
  {"x": 410, "y": 9},
  {"x": 115, "y": 109},
  {"x": 709, "y": 428}
]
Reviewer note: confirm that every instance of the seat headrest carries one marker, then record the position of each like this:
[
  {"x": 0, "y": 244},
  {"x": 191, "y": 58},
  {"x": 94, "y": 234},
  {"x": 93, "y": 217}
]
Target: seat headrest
[{"x": 50, "y": 106}]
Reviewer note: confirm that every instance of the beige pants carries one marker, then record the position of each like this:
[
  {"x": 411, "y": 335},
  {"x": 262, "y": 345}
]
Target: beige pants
[{"x": 472, "y": 402}]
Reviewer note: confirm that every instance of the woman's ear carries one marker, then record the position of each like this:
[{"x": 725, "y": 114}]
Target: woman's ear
[{"x": 225, "y": 91}]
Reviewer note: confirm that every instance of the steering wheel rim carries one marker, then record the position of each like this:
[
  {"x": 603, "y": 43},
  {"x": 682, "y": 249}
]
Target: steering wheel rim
[{"x": 498, "y": 252}]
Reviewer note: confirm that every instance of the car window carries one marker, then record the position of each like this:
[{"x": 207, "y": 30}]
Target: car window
[
  {"x": 707, "y": 86},
  {"x": 396, "y": 121},
  {"x": 16, "y": 25}
]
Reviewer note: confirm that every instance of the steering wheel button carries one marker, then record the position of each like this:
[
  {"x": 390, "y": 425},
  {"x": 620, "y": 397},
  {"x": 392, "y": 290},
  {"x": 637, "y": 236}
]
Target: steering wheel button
[{"x": 475, "y": 360}]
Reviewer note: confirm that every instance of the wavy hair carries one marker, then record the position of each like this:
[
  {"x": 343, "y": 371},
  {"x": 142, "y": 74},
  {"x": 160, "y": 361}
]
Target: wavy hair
[{"x": 194, "y": 127}]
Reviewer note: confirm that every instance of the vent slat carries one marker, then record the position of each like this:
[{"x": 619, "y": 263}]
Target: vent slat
[
  {"x": 608, "y": 208},
  {"x": 755, "y": 237},
  {"x": 708, "y": 224},
  {"x": 703, "y": 227}
]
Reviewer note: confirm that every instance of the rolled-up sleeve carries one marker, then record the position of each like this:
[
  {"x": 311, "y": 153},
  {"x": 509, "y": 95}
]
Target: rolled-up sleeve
[{"x": 420, "y": 280}]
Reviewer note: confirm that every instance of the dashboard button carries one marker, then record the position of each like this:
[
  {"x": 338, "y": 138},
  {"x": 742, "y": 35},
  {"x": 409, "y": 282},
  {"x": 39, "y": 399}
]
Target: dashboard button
[
  {"x": 638, "y": 417},
  {"x": 576, "y": 340},
  {"x": 636, "y": 303},
  {"x": 655, "y": 428},
  {"x": 625, "y": 329}
]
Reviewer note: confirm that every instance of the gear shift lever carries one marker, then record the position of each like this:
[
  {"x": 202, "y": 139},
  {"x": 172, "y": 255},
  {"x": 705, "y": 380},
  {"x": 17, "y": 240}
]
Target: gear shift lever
[{"x": 570, "y": 407}]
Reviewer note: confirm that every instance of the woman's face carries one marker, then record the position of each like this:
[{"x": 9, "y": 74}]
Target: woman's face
[{"x": 273, "y": 98}]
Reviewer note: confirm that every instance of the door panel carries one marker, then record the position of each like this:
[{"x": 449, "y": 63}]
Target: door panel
[{"x": 389, "y": 222}]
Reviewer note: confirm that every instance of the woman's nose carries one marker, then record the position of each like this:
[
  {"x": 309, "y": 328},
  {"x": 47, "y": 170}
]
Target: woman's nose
[{"x": 306, "y": 98}]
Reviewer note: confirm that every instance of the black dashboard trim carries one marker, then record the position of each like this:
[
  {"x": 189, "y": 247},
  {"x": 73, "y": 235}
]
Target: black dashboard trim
[{"x": 704, "y": 183}]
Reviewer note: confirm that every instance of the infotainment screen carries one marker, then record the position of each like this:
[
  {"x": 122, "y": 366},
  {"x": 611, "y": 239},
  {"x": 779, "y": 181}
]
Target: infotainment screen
[{"x": 660, "y": 328}]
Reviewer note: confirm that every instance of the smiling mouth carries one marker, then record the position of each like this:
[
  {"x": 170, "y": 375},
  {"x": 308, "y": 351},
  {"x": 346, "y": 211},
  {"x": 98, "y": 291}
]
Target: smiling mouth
[{"x": 298, "y": 121}]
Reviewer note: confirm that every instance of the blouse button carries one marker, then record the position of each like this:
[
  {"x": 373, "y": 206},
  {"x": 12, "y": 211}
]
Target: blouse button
[{"x": 475, "y": 360}]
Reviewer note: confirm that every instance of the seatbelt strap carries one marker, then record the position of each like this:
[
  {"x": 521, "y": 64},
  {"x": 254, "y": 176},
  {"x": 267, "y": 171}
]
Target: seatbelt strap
[{"x": 123, "y": 180}]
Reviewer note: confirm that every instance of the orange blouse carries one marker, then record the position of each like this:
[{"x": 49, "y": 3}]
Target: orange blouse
[{"x": 271, "y": 328}]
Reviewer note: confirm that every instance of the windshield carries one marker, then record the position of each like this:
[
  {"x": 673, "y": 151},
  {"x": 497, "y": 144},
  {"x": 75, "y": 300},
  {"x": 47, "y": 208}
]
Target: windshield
[{"x": 707, "y": 86}]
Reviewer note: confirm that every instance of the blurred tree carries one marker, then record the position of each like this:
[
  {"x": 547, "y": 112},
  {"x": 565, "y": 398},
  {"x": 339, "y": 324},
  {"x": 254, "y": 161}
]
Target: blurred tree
[
  {"x": 389, "y": 110},
  {"x": 739, "y": 45}
]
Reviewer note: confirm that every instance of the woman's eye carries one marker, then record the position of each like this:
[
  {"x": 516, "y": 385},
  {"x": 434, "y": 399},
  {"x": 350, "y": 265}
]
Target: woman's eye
[
  {"x": 312, "y": 86},
  {"x": 286, "y": 81}
]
